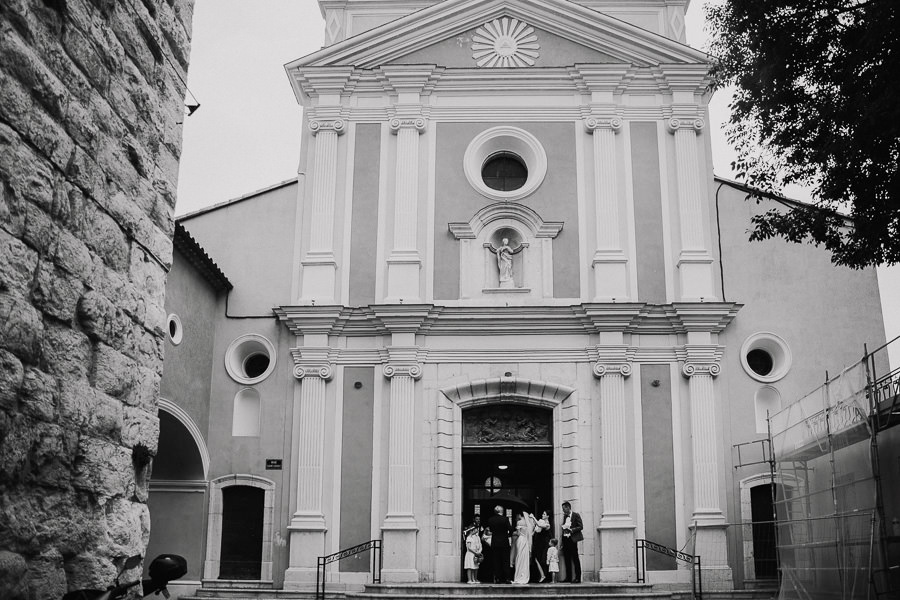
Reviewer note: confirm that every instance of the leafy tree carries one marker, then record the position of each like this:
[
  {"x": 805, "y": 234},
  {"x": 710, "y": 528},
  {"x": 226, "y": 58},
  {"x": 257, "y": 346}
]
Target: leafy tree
[{"x": 817, "y": 103}]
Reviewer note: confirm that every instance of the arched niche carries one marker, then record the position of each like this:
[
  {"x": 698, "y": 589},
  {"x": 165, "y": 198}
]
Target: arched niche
[
  {"x": 182, "y": 453},
  {"x": 529, "y": 247}
]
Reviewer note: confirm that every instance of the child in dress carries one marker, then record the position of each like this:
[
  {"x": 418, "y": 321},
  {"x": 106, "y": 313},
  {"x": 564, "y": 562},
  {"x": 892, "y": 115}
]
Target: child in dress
[
  {"x": 473, "y": 555},
  {"x": 553, "y": 560}
]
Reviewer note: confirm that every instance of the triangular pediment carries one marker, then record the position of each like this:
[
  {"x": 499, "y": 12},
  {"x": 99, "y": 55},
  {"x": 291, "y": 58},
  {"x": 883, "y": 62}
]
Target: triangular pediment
[{"x": 587, "y": 36}]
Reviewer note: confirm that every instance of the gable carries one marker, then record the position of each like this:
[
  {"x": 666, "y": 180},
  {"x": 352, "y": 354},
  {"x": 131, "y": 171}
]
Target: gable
[
  {"x": 456, "y": 52},
  {"x": 585, "y": 29}
]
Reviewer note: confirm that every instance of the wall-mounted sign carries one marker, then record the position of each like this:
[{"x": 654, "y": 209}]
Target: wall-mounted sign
[{"x": 273, "y": 464}]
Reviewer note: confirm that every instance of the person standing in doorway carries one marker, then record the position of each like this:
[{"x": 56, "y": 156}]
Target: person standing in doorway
[
  {"x": 571, "y": 535},
  {"x": 500, "y": 532}
]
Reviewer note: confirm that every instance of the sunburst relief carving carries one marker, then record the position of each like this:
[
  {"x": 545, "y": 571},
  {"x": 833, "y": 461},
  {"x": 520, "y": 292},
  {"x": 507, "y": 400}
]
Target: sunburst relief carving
[{"x": 505, "y": 42}]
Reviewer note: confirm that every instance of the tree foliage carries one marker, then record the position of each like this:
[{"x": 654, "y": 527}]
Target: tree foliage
[{"x": 817, "y": 103}]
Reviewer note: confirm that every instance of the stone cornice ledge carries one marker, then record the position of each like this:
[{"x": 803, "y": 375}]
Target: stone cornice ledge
[{"x": 585, "y": 318}]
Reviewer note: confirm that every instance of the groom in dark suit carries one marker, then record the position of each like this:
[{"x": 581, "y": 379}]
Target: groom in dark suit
[
  {"x": 571, "y": 535},
  {"x": 500, "y": 532}
]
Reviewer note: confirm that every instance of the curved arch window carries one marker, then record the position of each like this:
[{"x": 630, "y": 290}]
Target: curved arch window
[{"x": 504, "y": 172}]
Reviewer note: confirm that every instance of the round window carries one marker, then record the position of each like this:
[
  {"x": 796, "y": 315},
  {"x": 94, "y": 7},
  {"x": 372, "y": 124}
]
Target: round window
[
  {"x": 250, "y": 359},
  {"x": 505, "y": 163},
  {"x": 504, "y": 171},
  {"x": 765, "y": 357},
  {"x": 175, "y": 329}
]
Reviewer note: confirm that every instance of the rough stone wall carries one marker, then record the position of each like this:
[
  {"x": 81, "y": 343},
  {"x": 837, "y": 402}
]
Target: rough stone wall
[{"x": 91, "y": 96}]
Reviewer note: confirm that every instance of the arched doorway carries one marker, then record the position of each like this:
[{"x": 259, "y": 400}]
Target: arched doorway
[
  {"x": 507, "y": 461},
  {"x": 177, "y": 500}
]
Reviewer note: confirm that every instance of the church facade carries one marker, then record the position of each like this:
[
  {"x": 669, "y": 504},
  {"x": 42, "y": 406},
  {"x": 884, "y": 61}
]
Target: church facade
[{"x": 505, "y": 274}]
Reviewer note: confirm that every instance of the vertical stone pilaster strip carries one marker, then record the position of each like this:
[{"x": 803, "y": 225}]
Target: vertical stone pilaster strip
[
  {"x": 310, "y": 454},
  {"x": 690, "y": 192},
  {"x": 324, "y": 184},
  {"x": 703, "y": 440},
  {"x": 613, "y": 426},
  {"x": 402, "y": 433},
  {"x": 407, "y": 181}
]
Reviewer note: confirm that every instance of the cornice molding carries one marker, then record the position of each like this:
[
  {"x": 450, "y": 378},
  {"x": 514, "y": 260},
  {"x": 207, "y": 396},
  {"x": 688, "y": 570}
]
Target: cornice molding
[
  {"x": 585, "y": 318},
  {"x": 510, "y": 389},
  {"x": 506, "y": 210}
]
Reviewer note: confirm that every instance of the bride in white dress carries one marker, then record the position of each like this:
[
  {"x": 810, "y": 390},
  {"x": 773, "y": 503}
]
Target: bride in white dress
[{"x": 525, "y": 525}]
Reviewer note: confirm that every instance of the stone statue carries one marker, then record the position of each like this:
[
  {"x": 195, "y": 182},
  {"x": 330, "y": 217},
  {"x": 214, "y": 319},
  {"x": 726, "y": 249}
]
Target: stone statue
[{"x": 504, "y": 261}]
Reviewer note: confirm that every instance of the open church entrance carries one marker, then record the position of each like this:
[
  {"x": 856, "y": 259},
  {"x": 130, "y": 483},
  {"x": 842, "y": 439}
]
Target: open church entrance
[{"x": 507, "y": 460}]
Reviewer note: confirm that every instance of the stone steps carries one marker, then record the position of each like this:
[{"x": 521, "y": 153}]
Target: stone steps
[{"x": 432, "y": 591}]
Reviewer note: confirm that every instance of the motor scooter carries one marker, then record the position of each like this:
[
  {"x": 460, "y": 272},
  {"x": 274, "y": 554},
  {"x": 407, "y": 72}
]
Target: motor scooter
[{"x": 163, "y": 569}]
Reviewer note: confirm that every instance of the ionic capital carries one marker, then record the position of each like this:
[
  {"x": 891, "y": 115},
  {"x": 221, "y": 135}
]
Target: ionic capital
[
  {"x": 592, "y": 124},
  {"x": 400, "y": 370},
  {"x": 398, "y": 123},
  {"x": 695, "y": 124},
  {"x": 602, "y": 369},
  {"x": 308, "y": 370},
  {"x": 338, "y": 126},
  {"x": 700, "y": 368}
]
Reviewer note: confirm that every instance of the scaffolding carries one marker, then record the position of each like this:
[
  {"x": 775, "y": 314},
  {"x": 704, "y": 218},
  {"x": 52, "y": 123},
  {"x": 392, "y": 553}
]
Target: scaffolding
[{"x": 834, "y": 539}]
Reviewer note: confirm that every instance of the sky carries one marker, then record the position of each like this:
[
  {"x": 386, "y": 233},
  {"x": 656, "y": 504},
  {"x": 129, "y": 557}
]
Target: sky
[{"x": 246, "y": 134}]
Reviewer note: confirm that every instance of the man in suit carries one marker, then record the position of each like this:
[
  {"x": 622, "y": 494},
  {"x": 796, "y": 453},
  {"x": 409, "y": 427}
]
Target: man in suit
[
  {"x": 571, "y": 535},
  {"x": 501, "y": 530}
]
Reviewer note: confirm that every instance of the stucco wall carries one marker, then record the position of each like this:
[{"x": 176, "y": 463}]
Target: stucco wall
[
  {"x": 555, "y": 200},
  {"x": 89, "y": 145},
  {"x": 252, "y": 241}
]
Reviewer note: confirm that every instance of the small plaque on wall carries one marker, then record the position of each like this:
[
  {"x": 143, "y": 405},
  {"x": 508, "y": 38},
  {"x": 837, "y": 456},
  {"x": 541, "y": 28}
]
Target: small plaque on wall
[{"x": 273, "y": 464}]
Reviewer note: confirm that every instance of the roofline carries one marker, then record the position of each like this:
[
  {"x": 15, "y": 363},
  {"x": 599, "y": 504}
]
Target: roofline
[
  {"x": 777, "y": 197},
  {"x": 247, "y": 196},
  {"x": 366, "y": 37},
  {"x": 185, "y": 244}
]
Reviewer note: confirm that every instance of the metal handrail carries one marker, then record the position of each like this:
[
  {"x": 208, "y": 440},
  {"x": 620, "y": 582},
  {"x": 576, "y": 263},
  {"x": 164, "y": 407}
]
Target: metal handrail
[
  {"x": 640, "y": 562},
  {"x": 375, "y": 545}
]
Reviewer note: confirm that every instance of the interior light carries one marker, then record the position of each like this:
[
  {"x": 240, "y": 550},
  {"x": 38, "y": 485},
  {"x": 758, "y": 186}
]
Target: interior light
[{"x": 502, "y": 467}]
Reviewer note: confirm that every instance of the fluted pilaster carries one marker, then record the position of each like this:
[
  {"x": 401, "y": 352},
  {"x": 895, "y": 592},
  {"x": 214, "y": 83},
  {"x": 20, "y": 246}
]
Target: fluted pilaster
[
  {"x": 613, "y": 427},
  {"x": 311, "y": 436},
  {"x": 407, "y": 182},
  {"x": 707, "y": 509},
  {"x": 402, "y": 436}
]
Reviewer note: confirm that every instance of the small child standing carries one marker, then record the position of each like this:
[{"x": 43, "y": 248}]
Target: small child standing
[
  {"x": 473, "y": 555},
  {"x": 553, "y": 560}
]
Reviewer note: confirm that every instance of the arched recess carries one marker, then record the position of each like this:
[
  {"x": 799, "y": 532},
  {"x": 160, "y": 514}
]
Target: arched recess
[
  {"x": 452, "y": 400},
  {"x": 530, "y": 237},
  {"x": 175, "y": 411},
  {"x": 214, "y": 528}
]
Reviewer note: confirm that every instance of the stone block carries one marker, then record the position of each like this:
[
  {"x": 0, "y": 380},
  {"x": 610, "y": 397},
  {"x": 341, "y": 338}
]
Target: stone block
[
  {"x": 46, "y": 576},
  {"x": 71, "y": 254},
  {"x": 140, "y": 427},
  {"x": 11, "y": 375},
  {"x": 39, "y": 232},
  {"x": 26, "y": 65},
  {"x": 145, "y": 390},
  {"x": 18, "y": 263},
  {"x": 124, "y": 527},
  {"x": 27, "y": 173},
  {"x": 93, "y": 412},
  {"x": 51, "y": 456},
  {"x": 13, "y": 575},
  {"x": 102, "y": 320},
  {"x": 38, "y": 395},
  {"x": 21, "y": 327},
  {"x": 140, "y": 42},
  {"x": 104, "y": 469},
  {"x": 56, "y": 292},
  {"x": 84, "y": 53},
  {"x": 106, "y": 238},
  {"x": 66, "y": 352},
  {"x": 144, "y": 346},
  {"x": 16, "y": 438},
  {"x": 113, "y": 372},
  {"x": 88, "y": 570}
]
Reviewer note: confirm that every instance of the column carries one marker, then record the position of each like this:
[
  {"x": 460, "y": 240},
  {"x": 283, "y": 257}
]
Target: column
[
  {"x": 708, "y": 520},
  {"x": 695, "y": 260},
  {"x": 610, "y": 263},
  {"x": 404, "y": 263},
  {"x": 616, "y": 526},
  {"x": 319, "y": 265},
  {"x": 307, "y": 526},
  {"x": 399, "y": 529}
]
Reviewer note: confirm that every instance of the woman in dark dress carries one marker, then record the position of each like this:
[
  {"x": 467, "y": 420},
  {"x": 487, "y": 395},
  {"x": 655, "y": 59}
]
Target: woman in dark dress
[{"x": 540, "y": 543}]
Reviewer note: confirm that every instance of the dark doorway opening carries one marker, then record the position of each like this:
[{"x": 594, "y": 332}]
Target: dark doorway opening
[
  {"x": 242, "y": 531},
  {"x": 762, "y": 514}
]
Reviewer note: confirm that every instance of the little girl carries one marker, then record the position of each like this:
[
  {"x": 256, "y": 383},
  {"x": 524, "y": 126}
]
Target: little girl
[
  {"x": 553, "y": 560},
  {"x": 473, "y": 555}
]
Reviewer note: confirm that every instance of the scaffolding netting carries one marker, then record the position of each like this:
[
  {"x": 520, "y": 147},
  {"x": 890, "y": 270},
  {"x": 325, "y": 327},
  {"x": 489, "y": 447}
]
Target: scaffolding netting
[{"x": 826, "y": 495}]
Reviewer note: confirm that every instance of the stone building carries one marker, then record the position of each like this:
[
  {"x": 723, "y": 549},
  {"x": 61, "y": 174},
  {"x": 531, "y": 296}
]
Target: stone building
[
  {"x": 91, "y": 105},
  {"x": 505, "y": 274}
]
